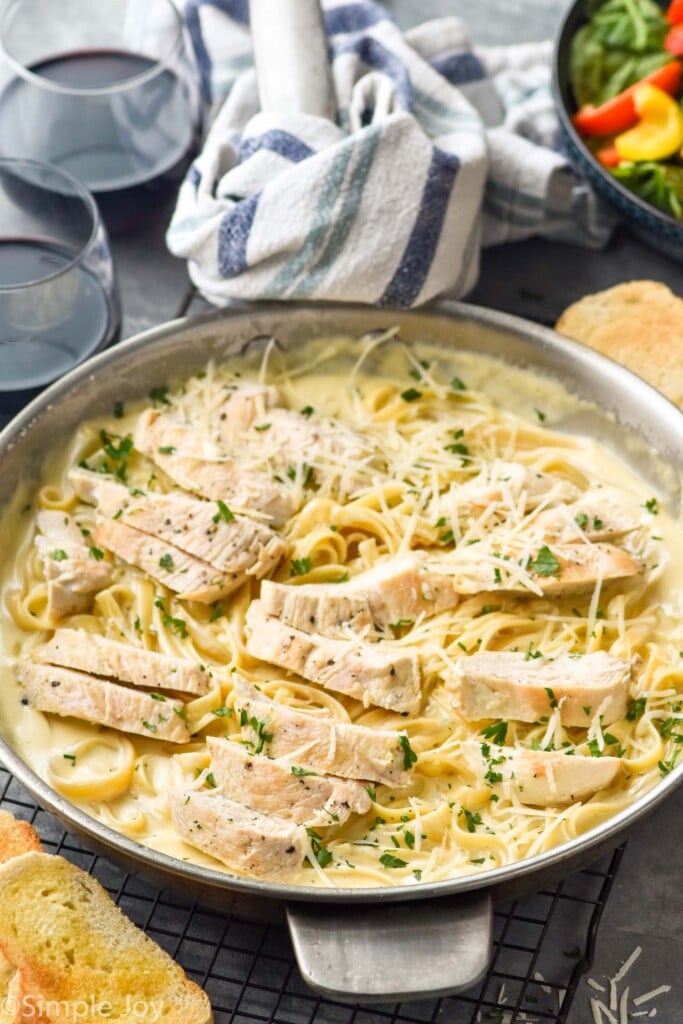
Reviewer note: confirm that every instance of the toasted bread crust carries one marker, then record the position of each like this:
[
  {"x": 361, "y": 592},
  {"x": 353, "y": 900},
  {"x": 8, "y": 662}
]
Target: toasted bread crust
[
  {"x": 638, "y": 324},
  {"x": 16, "y": 837},
  {"x": 69, "y": 942}
]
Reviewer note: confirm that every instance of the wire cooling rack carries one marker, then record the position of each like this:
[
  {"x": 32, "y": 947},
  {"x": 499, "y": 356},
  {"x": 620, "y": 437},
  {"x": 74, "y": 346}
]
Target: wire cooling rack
[{"x": 542, "y": 946}]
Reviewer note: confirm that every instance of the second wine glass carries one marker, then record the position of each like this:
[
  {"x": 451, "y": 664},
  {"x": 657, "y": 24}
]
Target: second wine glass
[{"x": 105, "y": 91}]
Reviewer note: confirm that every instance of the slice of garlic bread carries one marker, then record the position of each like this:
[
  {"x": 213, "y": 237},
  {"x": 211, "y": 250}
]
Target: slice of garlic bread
[
  {"x": 68, "y": 942},
  {"x": 16, "y": 837}
]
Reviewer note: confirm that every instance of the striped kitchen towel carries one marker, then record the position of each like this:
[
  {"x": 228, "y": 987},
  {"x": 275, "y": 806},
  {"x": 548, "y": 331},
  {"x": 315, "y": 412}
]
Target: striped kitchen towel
[{"x": 437, "y": 149}]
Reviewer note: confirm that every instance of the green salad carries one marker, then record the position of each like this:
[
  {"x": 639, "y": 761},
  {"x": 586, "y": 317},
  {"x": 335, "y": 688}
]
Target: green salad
[{"x": 626, "y": 77}]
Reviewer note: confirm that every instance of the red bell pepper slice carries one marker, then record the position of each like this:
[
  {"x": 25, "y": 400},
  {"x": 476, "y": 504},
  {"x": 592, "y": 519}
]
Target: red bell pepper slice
[
  {"x": 619, "y": 113},
  {"x": 674, "y": 14},
  {"x": 608, "y": 156},
  {"x": 673, "y": 41}
]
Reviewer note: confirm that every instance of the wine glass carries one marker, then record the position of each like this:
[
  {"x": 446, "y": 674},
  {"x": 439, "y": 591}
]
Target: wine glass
[
  {"x": 58, "y": 295},
  {"x": 103, "y": 90}
]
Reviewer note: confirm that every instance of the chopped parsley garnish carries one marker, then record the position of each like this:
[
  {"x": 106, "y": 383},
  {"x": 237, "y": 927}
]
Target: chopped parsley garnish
[
  {"x": 320, "y": 852},
  {"x": 306, "y": 473},
  {"x": 307, "y": 410},
  {"x": 223, "y": 513},
  {"x": 149, "y": 725},
  {"x": 411, "y": 395},
  {"x": 636, "y": 709},
  {"x": 545, "y": 563},
  {"x": 388, "y": 860},
  {"x": 160, "y": 395},
  {"x": 496, "y": 732},
  {"x": 118, "y": 410},
  {"x": 668, "y": 766},
  {"x": 372, "y": 793},
  {"x": 300, "y": 566},
  {"x": 262, "y": 426},
  {"x": 409, "y": 838},
  {"x": 177, "y": 626},
  {"x": 59, "y": 554},
  {"x": 401, "y": 623},
  {"x": 217, "y": 612},
  {"x": 166, "y": 561},
  {"x": 118, "y": 454},
  {"x": 471, "y": 819},
  {"x": 259, "y": 727},
  {"x": 222, "y": 712},
  {"x": 344, "y": 578},
  {"x": 70, "y": 757},
  {"x": 409, "y": 755},
  {"x": 301, "y": 772},
  {"x": 540, "y": 415},
  {"x": 552, "y": 699},
  {"x": 581, "y": 520},
  {"x": 96, "y": 553},
  {"x": 158, "y": 696},
  {"x": 457, "y": 448},
  {"x": 167, "y": 449},
  {"x": 458, "y": 385},
  {"x": 209, "y": 780},
  {"x": 652, "y": 506}
]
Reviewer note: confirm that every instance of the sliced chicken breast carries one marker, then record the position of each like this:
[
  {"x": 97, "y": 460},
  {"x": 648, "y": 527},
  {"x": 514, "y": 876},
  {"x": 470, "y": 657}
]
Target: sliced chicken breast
[
  {"x": 208, "y": 530},
  {"x": 322, "y": 744},
  {"x": 288, "y": 790},
  {"x": 506, "y": 684},
  {"x": 244, "y": 404},
  {"x": 542, "y": 778},
  {"x": 594, "y": 516},
  {"x": 197, "y": 465},
  {"x": 189, "y": 577},
  {"x": 90, "y": 652},
  {"x": 511, "y": 483},
  {"x": 391, "y": 593},
  {"x": 284, "y": 437},
  {"x": 372, "y": 673},
  {"x": 558, "y": 571},
  {"x": 62, "y": 691},
  {"x": 246, "y": 841},
  {"x": 73, "y": 575}
]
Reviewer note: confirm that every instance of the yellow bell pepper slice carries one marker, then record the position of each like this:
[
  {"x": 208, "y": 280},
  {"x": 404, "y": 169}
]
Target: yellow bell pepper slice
[{"x": 659, "y": 132}]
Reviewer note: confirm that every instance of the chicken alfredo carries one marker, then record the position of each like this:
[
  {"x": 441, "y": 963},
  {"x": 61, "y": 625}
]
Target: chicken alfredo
[{"x": 344, "y": 621}]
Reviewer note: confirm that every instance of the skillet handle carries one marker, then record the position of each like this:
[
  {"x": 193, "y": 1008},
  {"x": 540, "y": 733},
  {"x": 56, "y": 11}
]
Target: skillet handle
[{"x": 393, "y": 952}]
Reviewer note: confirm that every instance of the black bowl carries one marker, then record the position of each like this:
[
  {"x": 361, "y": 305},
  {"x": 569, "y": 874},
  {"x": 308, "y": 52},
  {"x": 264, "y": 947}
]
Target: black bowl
[{"x": 655, "y": 227}]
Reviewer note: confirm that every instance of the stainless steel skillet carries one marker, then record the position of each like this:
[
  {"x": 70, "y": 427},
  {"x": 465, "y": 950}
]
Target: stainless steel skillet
[{"x": 393, "y": 943}]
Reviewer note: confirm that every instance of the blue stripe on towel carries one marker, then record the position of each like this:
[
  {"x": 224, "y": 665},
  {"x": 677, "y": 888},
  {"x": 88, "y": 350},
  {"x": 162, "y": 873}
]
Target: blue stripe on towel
[
  {"x": 354, "y": 18},
  {"x": 373, "y": 54},
  {"x": 194, "y": 175},
  {"x": 323, "y": 216},
  {"x": 460, "y": 68},
  {"x": 416, "y": 262},
  {"x": 346, "y": 218},
  {"x": 277, "y": 141},
  {"x": 233, "y": 236},
  {"x": 238, "y": 10},
  {"x": 201, "y": 54}
]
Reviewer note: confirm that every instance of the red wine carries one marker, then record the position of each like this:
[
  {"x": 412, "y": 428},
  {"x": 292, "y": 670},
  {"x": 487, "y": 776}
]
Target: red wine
[
  {"x": 48, "y": 328},
  {"x": 130, "y": 146}
]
